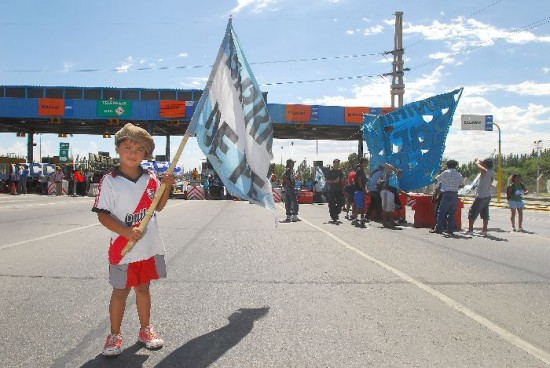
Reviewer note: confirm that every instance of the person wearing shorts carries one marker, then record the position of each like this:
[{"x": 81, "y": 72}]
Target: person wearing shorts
[
  {"x": 387, "y": 199},
  {"x": 480, "y": 207},
  {"x": 514, "y": 193},
  {"x": 124, "y": 196}
]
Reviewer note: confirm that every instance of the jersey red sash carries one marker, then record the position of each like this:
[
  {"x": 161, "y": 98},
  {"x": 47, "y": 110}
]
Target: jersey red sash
[{"x": 116, "y": 247}]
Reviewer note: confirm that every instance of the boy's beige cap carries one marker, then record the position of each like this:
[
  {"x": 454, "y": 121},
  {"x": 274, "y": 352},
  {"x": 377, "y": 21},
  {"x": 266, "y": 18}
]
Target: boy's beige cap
[{"x": 139, "y": 135}]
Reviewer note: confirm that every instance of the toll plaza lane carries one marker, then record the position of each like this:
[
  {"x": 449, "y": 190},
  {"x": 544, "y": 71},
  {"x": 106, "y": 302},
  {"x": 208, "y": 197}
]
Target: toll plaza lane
[{"x": 244, "y": 292}]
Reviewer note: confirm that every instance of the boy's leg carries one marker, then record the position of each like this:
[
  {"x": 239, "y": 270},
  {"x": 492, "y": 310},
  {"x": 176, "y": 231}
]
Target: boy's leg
[
  {"x": 143, "y": 304},
  {"x": 513, "y": 218},
  {"x": 520, "y": 218},
  {"x": 117, "y": 307}
]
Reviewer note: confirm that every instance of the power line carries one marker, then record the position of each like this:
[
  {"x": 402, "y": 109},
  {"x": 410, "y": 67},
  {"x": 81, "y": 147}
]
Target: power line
[{"x": 150, "y": 68}]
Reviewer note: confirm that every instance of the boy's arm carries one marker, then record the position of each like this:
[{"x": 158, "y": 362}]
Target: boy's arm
[
  {"x": 111, "y": 223},
  {"x": 167, "y": 180}
]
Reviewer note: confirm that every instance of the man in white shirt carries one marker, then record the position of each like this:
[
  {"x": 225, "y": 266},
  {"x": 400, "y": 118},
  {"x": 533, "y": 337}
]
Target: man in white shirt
[{"x": 450, "y": 181}]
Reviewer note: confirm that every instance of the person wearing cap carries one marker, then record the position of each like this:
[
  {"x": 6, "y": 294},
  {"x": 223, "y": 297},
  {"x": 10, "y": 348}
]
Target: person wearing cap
[
  {"x": 375, "y": 204},
  {"x": 291, "y": 201},
  {"x": 334, "y": 178},
  {"x": 123, "y": 198}
]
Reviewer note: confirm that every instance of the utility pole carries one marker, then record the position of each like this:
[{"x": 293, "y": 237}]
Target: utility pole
[
  {"x": 538, "y": 145},
  {"x": 397, "y": 86}
]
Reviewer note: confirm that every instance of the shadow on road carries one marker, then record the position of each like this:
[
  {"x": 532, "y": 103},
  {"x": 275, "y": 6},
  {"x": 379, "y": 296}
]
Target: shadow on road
[
  {"x": 206, "y": 349},
  {"x": 128, "y": 358},
  {"x": 199, "y": 352}
]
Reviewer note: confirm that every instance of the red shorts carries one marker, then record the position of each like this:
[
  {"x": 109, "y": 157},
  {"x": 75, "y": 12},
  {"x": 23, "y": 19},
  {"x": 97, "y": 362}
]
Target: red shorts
[{"x": 123, "y": 276}]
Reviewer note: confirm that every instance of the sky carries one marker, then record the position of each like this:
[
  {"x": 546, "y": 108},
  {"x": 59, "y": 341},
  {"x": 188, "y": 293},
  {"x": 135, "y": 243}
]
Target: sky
[{"x": 325, "y": 52}]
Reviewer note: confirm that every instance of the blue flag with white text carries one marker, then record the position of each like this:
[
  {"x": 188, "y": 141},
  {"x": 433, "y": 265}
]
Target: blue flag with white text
[
  {"x": 233, "y": 127},
  {"x": 412, "y": 138}
]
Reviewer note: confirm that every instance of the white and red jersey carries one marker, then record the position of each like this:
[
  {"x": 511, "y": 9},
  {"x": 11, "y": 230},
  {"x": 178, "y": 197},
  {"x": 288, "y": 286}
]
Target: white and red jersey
[{"x": 128, "y": 200}]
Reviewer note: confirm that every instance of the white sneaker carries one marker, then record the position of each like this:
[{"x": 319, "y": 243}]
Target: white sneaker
[
  {"x": 521, "y": 230},
  {"x": 467, "y": 233},
  {"x": 150, "y": 338},
  {"x": 294, "y": 218},
  {"x": 113, "y": 345}
]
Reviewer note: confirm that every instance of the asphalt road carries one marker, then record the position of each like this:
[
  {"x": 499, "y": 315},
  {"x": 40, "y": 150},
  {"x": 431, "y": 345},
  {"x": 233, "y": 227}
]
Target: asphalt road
[{"x": 242, "y": 292}]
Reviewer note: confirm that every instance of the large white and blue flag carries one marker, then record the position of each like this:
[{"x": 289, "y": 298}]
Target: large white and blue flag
[{"x": 233, "y": 127}]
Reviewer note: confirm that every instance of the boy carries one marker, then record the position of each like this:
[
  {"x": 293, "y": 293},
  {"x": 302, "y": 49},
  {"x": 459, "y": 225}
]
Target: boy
[{"x": 124, "y": 195}]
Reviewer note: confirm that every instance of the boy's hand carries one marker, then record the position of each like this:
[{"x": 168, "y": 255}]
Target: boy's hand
[
  {"x": 168, "y": 180},
  {"x": 133, "y": 234}
]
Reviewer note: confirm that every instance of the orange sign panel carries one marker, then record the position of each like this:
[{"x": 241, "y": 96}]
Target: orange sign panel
[
  {"x": 172, "y": 109},
  {"x": 298, "y": 113},
  {"x": 355, "y": 114},
  {"x": 51, "y": 107}
]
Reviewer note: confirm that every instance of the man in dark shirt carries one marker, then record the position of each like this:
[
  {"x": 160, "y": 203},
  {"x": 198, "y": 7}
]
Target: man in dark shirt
[
  {"x": 360, "y": 184},
  {"x": 291, "y": 201},
  {"x": 334, "y": 178}
]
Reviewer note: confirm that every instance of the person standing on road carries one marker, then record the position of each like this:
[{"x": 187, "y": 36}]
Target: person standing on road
[
  {"x": 450, "y": 181},
  {"x": 58, "y": 181},
  {"x": 24, "y": 178},
  {"x": 360, "y": 185},
  {"x": 375, "y": 203},
  {"x": 289, "y": 182},
  {"x": 480, "y": 207},
  {"x": 124, "y": 195},
  {"x": 514, "y": 193},
  {"x": 334, "y": 178}
]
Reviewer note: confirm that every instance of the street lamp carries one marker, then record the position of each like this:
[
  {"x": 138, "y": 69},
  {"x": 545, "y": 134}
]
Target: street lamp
[
  {"x": 538, "y": 145},
  {"x": 281, "y": 155}
]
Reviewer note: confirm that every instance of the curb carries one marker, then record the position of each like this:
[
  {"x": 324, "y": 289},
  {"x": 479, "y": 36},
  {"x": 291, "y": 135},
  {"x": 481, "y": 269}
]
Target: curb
[{"x": 504, "y": 205}]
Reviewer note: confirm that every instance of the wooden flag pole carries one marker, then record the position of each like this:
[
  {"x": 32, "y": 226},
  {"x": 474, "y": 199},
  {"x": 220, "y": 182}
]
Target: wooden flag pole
[{"x": 158, "y": 194}]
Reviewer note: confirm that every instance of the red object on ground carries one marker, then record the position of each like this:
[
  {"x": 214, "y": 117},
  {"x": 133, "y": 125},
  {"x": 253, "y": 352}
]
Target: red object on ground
[
  {"x": 306, "y": 197},
  {"x": 424, "y": 212}
]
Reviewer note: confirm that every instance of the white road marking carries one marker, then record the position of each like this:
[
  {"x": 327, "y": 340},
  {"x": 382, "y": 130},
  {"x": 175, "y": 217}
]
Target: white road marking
[
  {"x": 501, "y": 332},
  {"x": 46, "y": 236}
]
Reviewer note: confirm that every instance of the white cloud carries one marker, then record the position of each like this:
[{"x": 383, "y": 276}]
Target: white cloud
[
  {"x": 182, "y": 55},
  {"x": 195, "y": 83},
  {"x": 463, "y": 34},
  {"x": 257, "y": 6},
  {"x": 67, "y": 66},
  {"x": 546, "y": 70},
  {"x": 126, "y": 65},
  {"x": 445, "y": 57},
  {"x": 526, "y": 88},
  {"x": 373, "y": 30}
]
